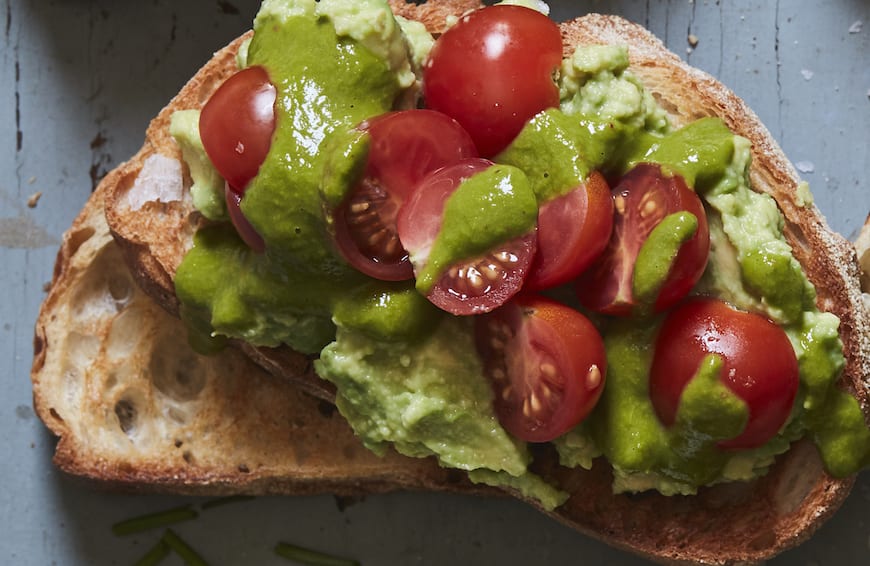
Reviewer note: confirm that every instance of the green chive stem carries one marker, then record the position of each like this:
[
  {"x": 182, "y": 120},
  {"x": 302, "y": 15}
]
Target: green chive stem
[
  {"x": 155, "y": 555},
  {"x": 212, "y": 503},
  {"x": 311, "y": 557},
  {"x": 182, "y": 549},
  {"x": 154, "y": 520}
]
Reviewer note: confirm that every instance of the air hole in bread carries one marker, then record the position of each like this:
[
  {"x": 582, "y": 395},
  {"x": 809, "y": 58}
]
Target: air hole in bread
[
  {"x": 54, "y": 414},
  {"x": 38, "y": 347},
  {"x": 175, "y": 372},
  {"x": 111, "y": 381},
  {"x": 81, "y": 349},
  {"x": 125, "y": 333},
  {"x": 243, "y": 468},
  {"x": 126, "y": 412},
  {"x": 188, "y": 456},
  {"x": 666, "y": 104},
  {"x": 77, "y": 238},
  {"x": 94, "y": 294},
  {"x": 176, "y": 415},
  {"x": 120, "y": 288}
]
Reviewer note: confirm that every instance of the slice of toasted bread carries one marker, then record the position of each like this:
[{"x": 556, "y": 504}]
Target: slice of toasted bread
[
  {"x": 744, "y": 522},
  {"x": 134, "y": 406}
]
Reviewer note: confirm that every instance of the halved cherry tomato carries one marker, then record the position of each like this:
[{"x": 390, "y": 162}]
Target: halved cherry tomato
[
  {"x": 642, "y": 199},
  {"x": 472, "y": 286},
  {"x": 573, "y": 230},
  {"x": 546, "y": 363},
  {"x": 247, "y": 232},
  {"x": 492, "y": 71},
  {"x": 236, "y": 125},
  {"x": 404, "y": 147},
  {"x": 758, "y": 365}
]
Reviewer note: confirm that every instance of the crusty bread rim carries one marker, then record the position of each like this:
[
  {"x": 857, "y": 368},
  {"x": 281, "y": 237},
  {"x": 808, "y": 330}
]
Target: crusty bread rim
[{"x": 797, "y": 486}]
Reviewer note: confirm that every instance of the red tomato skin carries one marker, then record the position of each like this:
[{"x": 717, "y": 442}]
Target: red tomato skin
[
  {"x": 606, "y": 287},
  {"x": 404, "y": 147},
  {"x": 236, "y": 125},
  {"x": 573, "y": 230},
  {"x": 419, "y": 224},
  {"x": 407, "y": 145},
  {"x": 493, "y": 71},
  {"x": 518, "y": 340},
  {"x": 244, "y": 228},
  {"x": 759, "y": 365}
]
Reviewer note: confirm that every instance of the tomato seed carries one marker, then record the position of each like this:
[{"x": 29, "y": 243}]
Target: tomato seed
[
  {"x": 549, "y": 370},
  {"x": 535, "y": 403}
]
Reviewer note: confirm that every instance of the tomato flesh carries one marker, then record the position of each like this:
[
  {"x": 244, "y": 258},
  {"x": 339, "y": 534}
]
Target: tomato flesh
[
  {"x": 573, "y": 230},
  {"x": 758, "y": 365},
  {"x": 474, "y": 285},
  {"x": 546, "y": 364},
  {"x": 493, "y": 71},
  {"x": 236, "y": 125},
  {"x": 642, "y": 199},
  {"x": 403, "y": 147}
]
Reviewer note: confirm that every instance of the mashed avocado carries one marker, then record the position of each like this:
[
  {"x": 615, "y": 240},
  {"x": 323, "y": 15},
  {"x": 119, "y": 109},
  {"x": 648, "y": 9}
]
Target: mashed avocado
[
  {"x": 428, "y": 397},
  {"x": 407, "y": 374}
]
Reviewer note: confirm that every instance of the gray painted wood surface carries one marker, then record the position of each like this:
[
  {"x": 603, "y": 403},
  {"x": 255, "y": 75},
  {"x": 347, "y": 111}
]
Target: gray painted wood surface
[{"x": 79, "y": 80}]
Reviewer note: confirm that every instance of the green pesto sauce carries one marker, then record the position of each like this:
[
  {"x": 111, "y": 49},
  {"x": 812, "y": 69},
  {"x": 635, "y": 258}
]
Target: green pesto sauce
[
  {"x": 328, "y": 87},
  {"x": 550, "y": 150},
  {"x": 557, "y": 151},
  {"x": 700, "y": 152},
  {"x": 645, "y": 453},
  {"x": 408, "y": 374},
  {"x": 260, "y": 302},
  {"x": 751, "y": 266},
  {"x": 288, "y": 294},
  {"x": 387, "y": 311},
  {"x": 488, "y": 208},
  {"x": 658, "y": 252}
]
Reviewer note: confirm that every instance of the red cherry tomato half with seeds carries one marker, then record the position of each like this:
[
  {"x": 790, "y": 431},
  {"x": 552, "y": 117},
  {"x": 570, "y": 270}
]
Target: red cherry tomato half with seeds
[
  {"x": 493, "y": 71},
  {"x": 642, "y": 199},
  {"x": 471, "y": 286},
  {"x": 573, "y": 230},
  {"x": 546, "y": 363},
  {"x": 236, "y": 126},
  {"x": 758, "y": 365},
  {"x": 403, "y": 148}
]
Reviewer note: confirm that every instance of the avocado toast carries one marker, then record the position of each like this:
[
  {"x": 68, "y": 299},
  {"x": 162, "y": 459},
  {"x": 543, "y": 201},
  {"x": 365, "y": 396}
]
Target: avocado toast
[{"x": 614, "y": 26}]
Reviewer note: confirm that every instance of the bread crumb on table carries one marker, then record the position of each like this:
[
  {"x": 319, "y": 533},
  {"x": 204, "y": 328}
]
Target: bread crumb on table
[{"x": 33, "y": 200}]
